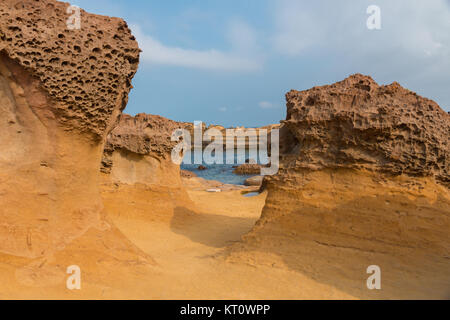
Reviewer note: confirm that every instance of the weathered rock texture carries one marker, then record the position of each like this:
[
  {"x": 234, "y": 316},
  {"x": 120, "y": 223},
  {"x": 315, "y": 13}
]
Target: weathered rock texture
[
  {"x": 60, "y": 92},
  {"x": 358, "y": 124},
  {"x": 87, "y": 72},
  {"x": 141, "y": 140},
  {"x": 137, "y": 158},
  {"x": 248, "y": 169},
  {"x": 364, "y": 180},
  {"x": 240, "y": 135}
]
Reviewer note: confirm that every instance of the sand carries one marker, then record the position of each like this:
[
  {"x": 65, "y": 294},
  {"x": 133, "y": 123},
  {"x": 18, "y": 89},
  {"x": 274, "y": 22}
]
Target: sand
[{"x": 183, "y": 254}]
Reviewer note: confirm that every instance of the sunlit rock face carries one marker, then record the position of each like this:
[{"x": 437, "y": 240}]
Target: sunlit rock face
[
  {"x": 378, "y": 158},
  {"x": 358, "y": 124},
  {"x": 61, "y": 92},
  {"x": 364, "y": 180},
  {"x": 137, "y": 160},
  {"x": 139, "y": 150}
]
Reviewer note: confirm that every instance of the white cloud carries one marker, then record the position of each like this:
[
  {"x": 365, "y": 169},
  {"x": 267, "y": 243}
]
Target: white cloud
[
  {"x": 421, "y": 27},
  {"x": 266, "y": 105},
  {"x": 411, "y": 29},
  {"x": 223, "y": 109},
  {"x": 155, "y": 52},
  {"x": 412, "y": 47}
]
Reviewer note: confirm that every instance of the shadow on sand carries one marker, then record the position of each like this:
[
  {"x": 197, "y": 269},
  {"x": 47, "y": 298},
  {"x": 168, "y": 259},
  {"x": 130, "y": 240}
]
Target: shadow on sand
[{"x": 208, "y": 229}]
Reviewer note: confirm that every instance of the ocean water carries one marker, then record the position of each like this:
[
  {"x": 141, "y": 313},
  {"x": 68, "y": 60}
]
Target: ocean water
[{"x": 220, "y": 172}]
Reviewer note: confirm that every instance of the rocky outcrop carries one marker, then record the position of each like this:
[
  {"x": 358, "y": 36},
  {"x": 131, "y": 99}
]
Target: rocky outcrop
[
  {"x": 364, "y": 178},
  {"x": 360, "y": 125},
  {"x": 188, "y": 174},
  {"x": 239, "y": 134},
  {"x": 248, "y": 169},
  {"x": 61, "y": 91},
  {"x": 138, "y": 150},
  {"x": 254, "y": 181},
  {"x": 87, "y": 72},
  {"x": 137, "y": 158}
]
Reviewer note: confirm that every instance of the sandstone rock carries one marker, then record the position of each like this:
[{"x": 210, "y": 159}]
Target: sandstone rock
[
  {"x": 364, "y": 180},
  {"x": 61, "y": 91},
  {"x": 254, "y": 181},
  {"x": 86, "y": 73},
  {"x": 248, "y": 169},
  {"x": 240, "y": 138},
  {"x": 188, "y": 174},
  {"x": 137, "y": 158},
  {"x": 138, "y": 150},
  {"x": 358, "y": 124},
  {"x": 356, "y": 129},
  {"x": 142, "y": 135},
  {"x": 202, "y": 168}
]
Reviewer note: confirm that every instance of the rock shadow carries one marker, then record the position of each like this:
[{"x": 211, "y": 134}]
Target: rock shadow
[{"x": 211, "y": 230}]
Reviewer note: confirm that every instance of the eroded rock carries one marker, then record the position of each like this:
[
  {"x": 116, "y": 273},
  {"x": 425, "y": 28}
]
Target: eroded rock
[
  {"x": 358, "y": 124},
  {"x": 137, "y": 160},
  {"x": 364, "y": 180},
  {"x": 61, "y": 91},
  {"x": 141, "y": 140},
  {"x": 248, "y": 169}
]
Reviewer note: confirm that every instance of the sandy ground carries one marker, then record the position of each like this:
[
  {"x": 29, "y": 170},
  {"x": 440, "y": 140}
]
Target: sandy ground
[
  {"x": 180, "y": 255},
  {"x": 181, "y": 244},
  {"x": 189, "y": 253}
]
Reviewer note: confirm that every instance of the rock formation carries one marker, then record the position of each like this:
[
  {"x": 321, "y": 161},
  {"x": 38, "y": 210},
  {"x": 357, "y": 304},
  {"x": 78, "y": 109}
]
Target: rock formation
[
  {"x": 239, "y": 134},
  {"x": 188, "y": 174},
  {"x": 61, "y": 91},
  {"x": 254, "y": 181},
  {"x": 142, "y": 140},
  {"x": 137, "y": 158},
  {"x": 364, "y": 178},
  {"x": 248, "y": 169},
  {"x": 359, "y": 125}
]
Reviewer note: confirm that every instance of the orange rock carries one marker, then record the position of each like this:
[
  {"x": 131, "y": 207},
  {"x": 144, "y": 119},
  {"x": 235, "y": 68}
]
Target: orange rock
[
  {"x": 364, "y": 180},
  {"x": 61, "y": 91}
]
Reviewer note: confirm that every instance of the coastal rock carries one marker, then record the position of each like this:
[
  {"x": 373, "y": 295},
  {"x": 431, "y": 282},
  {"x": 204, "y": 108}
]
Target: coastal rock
[
  {"x": 137, "y": 158},
  {"x": 241, "y": 134},
  {"x": 138, "y": 150},
  {"x": 61, "y": 91},
  {"x": 86, "y": 73},
  {"x": 188, "y": 174},
  {"x": 254, "y": 181},
  {"x": 364, "y": 178},
  {"x": 142, "y": 136},
  {"x": 358, "y": 124},
  {"x": 248, "y": 169}
]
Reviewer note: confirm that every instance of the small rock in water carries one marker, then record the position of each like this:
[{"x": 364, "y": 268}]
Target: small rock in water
[{"x": 202, "y": 168}]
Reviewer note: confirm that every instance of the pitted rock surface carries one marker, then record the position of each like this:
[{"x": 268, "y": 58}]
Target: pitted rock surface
[
  {"x": 357, "y": 123},
  {"x": 88, "y": 71},
  {"x": 143, "y": 134}
]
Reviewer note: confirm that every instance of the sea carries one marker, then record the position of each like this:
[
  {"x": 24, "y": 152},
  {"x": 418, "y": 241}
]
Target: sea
[{"x": 219, "y": 172}]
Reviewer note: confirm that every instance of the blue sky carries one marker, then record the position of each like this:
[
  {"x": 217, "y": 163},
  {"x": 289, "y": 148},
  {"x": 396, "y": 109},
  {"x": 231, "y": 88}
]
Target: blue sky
[{"x": 231, "y": 62}]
